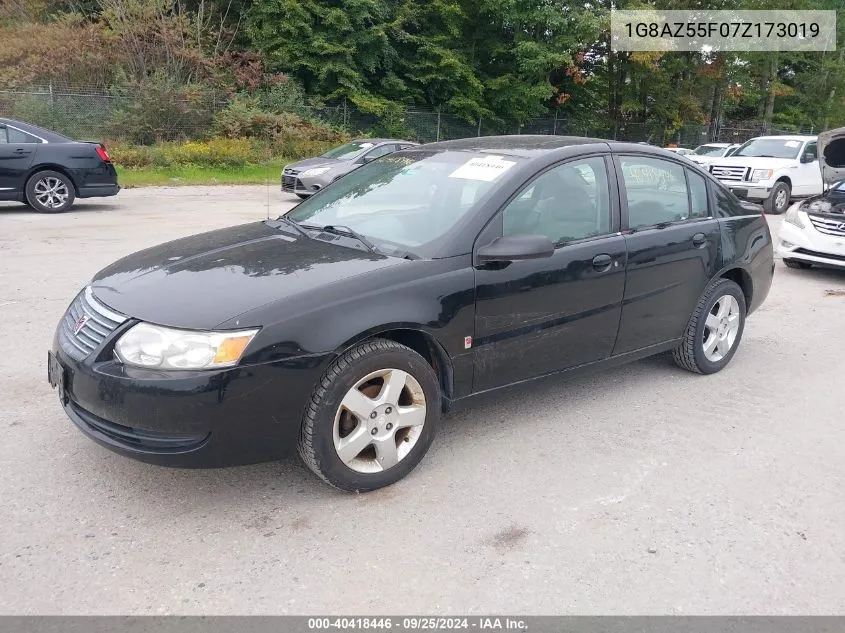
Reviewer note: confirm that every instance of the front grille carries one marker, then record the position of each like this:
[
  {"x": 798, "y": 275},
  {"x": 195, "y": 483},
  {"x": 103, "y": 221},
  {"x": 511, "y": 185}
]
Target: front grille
[
  {"x": 807, "y": 251},
  {"x": 728, "y": 173},
  {"x": 86, "y": 324},
  {"x": 828, "y": 226},
  {"x": 291, "y": 183}
]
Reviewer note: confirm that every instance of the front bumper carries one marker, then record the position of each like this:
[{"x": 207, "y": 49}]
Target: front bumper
[
  {"x": 302, "y": 186},
  {"x": 810, "y": 246},
  {"x": 190, "y": 419},
  {"x": 749, "y": 191}
]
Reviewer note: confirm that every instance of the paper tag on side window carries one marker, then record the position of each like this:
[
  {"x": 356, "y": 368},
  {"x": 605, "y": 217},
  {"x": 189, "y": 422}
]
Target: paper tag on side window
[{"x": 486, "y": 168}]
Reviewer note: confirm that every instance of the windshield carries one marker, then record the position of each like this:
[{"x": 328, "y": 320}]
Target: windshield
[
  {"x": 770, "y": 148},
  {"x": 408, "y": 200},
  {"x": 350, "y": 150},
  {"x": 709, "y": 150}
]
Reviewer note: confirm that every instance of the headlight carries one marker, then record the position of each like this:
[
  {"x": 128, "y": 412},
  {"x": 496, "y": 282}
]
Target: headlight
[
  {"x": 315, "y": 172},
  {"x": 153, "y": 346},
  {"x": 793, "y": 218},
  {"x": 760, "y": 174}
]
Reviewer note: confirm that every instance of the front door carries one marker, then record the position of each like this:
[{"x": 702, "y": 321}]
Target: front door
[
  {"x": 16, "y": 156},
  {"x": 673, "y": 248},
  {"x": 539, "y": 316},
  {"x": 807, "y": 177}
]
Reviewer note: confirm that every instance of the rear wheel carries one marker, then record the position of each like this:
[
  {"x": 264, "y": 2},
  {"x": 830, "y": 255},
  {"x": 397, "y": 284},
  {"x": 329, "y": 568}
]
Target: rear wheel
[
  {"x": 49, "y": 192},
  {"x": 794, "y": 263},
  {"x": 372, "y": 417},
  {"x": 778, "y": 200},
  {"x": 715, "y": 329}
]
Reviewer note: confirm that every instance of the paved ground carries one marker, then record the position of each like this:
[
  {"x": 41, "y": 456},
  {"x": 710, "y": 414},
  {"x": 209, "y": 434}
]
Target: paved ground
[{"x": 641, "y": 490}]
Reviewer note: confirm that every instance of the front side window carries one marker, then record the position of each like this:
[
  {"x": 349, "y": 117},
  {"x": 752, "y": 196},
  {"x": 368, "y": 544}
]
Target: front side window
[
  {"x": 378, "y": 152},
  {"x": 656, "y": 191},
  {"x": 812, "y": 150},
  {"x": 408, "y": 200},
  {"x": 568, "y": 202}
]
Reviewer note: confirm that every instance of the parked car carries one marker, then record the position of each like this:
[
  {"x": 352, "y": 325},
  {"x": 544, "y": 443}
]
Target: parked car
[
  {"x": 415, "y": 283},
  {"x": 306, "y": 177},
  {"x": 813, "y": 231},
  {"x": 49, "y": 171},
  {"x": 772, "y": 170},
  {"x": 732, "y": 149},
  {"x": 705, "y": 154},
  {"x": 681, "y": 151}
]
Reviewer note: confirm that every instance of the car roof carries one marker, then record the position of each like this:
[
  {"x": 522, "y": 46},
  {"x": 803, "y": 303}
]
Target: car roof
[
  {"x": 47, "y": 135},
  {"x": 788, "y": 137},
  {"x": 378, "y": 141},
  {"x": 516, "y": 144}
]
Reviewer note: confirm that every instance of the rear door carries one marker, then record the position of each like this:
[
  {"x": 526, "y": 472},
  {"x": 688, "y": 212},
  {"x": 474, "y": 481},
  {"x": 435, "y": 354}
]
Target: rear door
[
  {"x": 539, "y": 316},
  {"x": 17, "y": 151},
  {"x": 673, "y": 248}
]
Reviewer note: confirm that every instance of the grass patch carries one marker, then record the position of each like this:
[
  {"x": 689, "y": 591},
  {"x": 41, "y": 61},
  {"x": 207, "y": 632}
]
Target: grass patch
[{"x": 198, "y": 175}]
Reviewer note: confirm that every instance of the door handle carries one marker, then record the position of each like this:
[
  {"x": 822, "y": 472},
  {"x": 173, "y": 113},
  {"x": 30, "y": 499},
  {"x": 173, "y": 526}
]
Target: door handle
[
  {"x": 699, "y": 240},
  {"x": 20, "y": 150},
  {"x": 602, "y": 262}
]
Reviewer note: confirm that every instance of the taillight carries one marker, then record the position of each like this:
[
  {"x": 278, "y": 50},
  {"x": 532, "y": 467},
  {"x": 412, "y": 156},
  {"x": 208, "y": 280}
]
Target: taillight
[{"x": 103, "y": 154}]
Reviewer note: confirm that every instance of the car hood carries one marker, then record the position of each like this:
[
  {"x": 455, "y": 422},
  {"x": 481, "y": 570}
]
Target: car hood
[
  {"x": 204, "y": 280},
  {"x": 831, "y": 148},
  {"x": 319, "y": 161},
  {"x": 755, "y": 162}
]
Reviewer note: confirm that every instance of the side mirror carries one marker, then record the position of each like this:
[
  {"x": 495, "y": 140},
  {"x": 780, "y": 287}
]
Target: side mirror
[
  {"x": 366, "y": 158},
  {"x": 808, "y": 157},
  {"x": 516, "y": 247}
]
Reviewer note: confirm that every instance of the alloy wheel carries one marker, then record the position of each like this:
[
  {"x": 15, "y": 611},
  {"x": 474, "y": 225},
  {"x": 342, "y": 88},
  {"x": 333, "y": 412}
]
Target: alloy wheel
[
  {"x": 51, "y": 192},
  {"x": 721, "y": 328},
  {"x": 379, "y": 421}
]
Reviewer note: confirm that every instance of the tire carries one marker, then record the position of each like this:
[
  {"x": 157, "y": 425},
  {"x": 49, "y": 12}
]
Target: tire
[
  {"x": 778, "y": 200},
  {"x": 692, "y": 354},
  {"x": 302, "y": 196},
  {"x": 49, "y": 192},
  {"x": 794, "y": 263},
  {"x": 360, "y": 378}
]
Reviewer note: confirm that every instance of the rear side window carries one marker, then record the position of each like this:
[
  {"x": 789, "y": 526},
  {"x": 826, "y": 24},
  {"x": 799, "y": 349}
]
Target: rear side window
[
  {"x": 16, "y": 136},
  {"x": 725, "y": 203},
  {"x": 656, "y": 191},
  {"x": 697, "y": 195}
]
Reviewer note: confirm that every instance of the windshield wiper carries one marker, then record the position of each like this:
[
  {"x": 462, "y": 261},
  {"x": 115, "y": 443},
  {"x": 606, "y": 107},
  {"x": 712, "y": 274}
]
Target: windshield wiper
[
  {"x": 340, "y": 229},
  {"x": 295, "y": 225}
]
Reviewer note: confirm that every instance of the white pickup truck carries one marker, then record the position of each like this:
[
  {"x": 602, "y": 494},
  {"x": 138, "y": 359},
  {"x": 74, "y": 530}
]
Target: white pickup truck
[{"x": 772, "y": 170}]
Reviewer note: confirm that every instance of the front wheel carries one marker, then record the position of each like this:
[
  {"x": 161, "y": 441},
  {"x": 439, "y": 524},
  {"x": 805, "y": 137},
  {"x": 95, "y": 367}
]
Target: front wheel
[
  {"x": 371, "y": 418},
  {"x": 49, "y": 192},
  {"x": 302, "y": 196},
  {"x": 715, "y": 329},
  {"x": 778, "y": 200}
]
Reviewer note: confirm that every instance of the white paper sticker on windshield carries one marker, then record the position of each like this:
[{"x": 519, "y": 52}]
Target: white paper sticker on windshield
[
  {"x": 366, "y": 145},
  {"x": 487, "y": 168},
  {"x": 792, "y": 143}
]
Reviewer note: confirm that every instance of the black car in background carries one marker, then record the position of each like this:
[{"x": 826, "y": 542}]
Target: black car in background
[
  {"x": 48, "y": 171},
  {"x": 414, "y": 283}
]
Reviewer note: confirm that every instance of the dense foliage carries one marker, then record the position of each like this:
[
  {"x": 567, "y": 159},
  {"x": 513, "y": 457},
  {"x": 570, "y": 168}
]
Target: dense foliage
[{"x": 501, "y": 60}]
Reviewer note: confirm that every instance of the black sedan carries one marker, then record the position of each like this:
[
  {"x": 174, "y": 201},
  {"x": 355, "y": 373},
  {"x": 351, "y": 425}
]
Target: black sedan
[
  {"x": 432, "y": 275},
  {"x": 48, "y": 171}
]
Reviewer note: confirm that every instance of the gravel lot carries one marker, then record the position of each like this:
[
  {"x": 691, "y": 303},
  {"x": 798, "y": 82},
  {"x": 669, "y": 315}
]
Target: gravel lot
[{"x": 644, "y": 489}]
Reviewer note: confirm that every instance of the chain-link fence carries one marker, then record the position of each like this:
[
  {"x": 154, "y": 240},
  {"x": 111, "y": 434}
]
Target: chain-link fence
[{"x": 152, "y": 116}]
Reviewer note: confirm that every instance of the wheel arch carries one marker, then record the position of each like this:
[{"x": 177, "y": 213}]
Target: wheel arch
[
  {"x": 417, "y": 339},
  {"x": 743, "y": 279},
  {"x": 51, "y": 167},
  {"x": 784, "y": 178}
]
